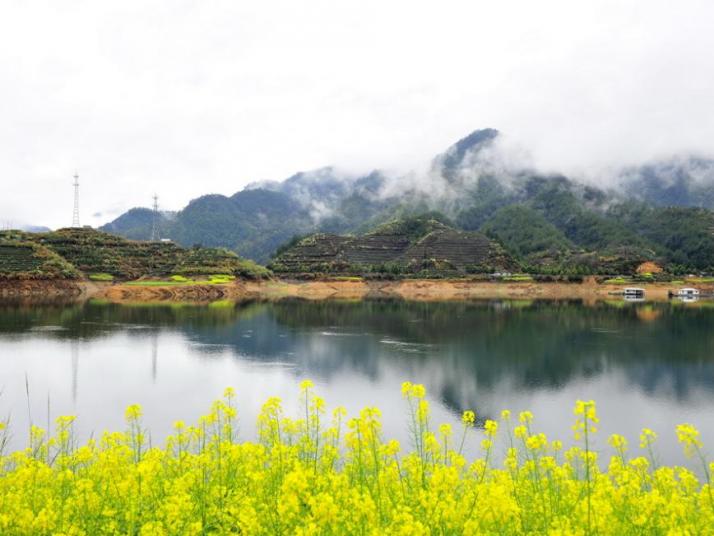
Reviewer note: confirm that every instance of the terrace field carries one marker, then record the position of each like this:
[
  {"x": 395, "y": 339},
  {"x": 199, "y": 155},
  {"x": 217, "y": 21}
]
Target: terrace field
[
  {"x": 420, "y": 247},
  {"x": 28, "y": 260},
  {"x": 76, "y": 253}
]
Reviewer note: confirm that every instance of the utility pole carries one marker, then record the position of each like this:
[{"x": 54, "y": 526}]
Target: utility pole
[
  {"x": 75, "y": 213},
  {"x": 155, "y": 220}
]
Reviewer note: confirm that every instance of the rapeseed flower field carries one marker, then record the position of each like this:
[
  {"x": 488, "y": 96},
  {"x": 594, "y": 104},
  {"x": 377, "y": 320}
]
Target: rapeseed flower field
[{"x": 325, "y": 474}]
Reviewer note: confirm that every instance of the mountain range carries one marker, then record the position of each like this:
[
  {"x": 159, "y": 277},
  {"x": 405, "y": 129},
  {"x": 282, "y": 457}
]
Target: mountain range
[{"x": 658, "y": 211}]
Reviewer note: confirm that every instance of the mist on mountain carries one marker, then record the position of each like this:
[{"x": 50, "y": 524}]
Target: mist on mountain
[{"x": 475, "y": 183}]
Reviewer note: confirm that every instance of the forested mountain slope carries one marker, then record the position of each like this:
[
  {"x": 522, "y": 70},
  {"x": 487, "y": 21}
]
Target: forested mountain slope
[{"x": 660, "y": 211}]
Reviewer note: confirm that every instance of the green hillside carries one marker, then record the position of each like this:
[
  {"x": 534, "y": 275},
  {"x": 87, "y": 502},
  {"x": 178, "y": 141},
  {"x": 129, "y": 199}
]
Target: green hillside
[
  {"x": 138, "y": 223},
  {"x": 549, "y": 223},
  {"x": 21, "y": 259},
  {"x": 71, "y": 253},
  {"x": 422, "y": 247},
  {"x": 525, "y": 232},
  {"x": 565, "y": 239},
  {"x": 554, "y": 225},
  {"x": 252, "y": 223}
]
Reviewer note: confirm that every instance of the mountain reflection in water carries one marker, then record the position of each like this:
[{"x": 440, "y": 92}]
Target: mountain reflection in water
[{"x": 645, "y": 364}]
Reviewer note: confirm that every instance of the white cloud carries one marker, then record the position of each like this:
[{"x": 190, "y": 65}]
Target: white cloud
[{"x": 186, "y": 98}]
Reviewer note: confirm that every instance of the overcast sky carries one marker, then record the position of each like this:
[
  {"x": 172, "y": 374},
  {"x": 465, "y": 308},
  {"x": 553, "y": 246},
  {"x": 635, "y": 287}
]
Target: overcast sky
[{"x": 185, "y": 98}]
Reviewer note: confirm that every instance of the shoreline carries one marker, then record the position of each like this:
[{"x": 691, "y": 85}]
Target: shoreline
[
  {"x": 460, "y": 290},
  {"x": 588, "y": 291}
]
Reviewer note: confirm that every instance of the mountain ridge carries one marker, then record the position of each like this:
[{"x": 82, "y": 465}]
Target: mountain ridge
[{"x": 465, "y": 185}]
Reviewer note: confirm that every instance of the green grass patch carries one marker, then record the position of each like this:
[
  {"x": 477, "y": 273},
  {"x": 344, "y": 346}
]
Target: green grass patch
[
  {"x": 518, "y": 278},
  {"x": 221, "y": 279},
  {"x": 101, "y": 277},
  {"x": 181, "y": 281}
]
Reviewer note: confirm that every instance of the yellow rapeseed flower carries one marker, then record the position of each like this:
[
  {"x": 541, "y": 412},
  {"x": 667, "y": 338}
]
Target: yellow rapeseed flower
[
  {"x": 406, "y": 389},
  {"x": 647, "y": 438},
  {"x": 586, "y": 418},
  {"x": 688, "y": 435},
  {"x": 617, "y": 442},
  {"x": 490, "y": 428},
  {"x": 537, "y": 442},
  {"x": 307, "y": 476},
  {"x": 418, "y": 391},
  {"x": 306, "y": 385},
  {"x": 133, "y": 412},
  {"x": 468, "y": 417}
]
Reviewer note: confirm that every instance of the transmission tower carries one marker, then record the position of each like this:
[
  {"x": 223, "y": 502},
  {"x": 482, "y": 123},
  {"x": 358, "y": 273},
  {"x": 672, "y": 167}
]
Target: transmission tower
[
  {"x": 155, "y": 220},
  {"x": 75, "y": 213}
]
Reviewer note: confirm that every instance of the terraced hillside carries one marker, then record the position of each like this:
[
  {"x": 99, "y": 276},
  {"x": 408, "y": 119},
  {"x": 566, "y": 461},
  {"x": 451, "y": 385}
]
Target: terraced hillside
[
  {"x": 26, "y": 260},
  {"x": 93, "y": 252},
  {"x": 418, "y": 246}
]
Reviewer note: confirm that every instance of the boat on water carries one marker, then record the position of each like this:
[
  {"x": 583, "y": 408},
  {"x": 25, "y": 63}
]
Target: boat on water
[{"x": 688, "y": 292}]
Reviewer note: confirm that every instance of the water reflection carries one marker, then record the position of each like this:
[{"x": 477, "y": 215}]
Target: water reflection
[
  {"x": 646, "y": 364},
  {"x": 74, "y": 345},
  {"x": 661, "y": 349}
]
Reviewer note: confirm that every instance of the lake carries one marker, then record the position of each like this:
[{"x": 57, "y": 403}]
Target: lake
[{"x": 645, "y": 364}]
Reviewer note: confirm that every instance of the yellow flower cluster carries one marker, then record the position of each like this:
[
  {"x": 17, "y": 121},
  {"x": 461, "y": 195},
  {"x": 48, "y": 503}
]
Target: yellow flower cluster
[{"x": 322, "y": 474}]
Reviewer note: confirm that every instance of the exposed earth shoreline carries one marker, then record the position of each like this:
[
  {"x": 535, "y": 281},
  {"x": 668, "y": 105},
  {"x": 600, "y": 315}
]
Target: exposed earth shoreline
[{"x": 350, "y": 289}]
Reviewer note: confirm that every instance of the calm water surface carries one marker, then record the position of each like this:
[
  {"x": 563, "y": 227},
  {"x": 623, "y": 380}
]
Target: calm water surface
[{"x": 645, "y": 364}]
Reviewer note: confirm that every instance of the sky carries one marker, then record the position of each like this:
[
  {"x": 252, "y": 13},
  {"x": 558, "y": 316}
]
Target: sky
[{"x": 184, "y": 98}]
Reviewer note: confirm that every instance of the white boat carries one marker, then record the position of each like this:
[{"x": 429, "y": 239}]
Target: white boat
[{"x": 688, "y": 292}]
